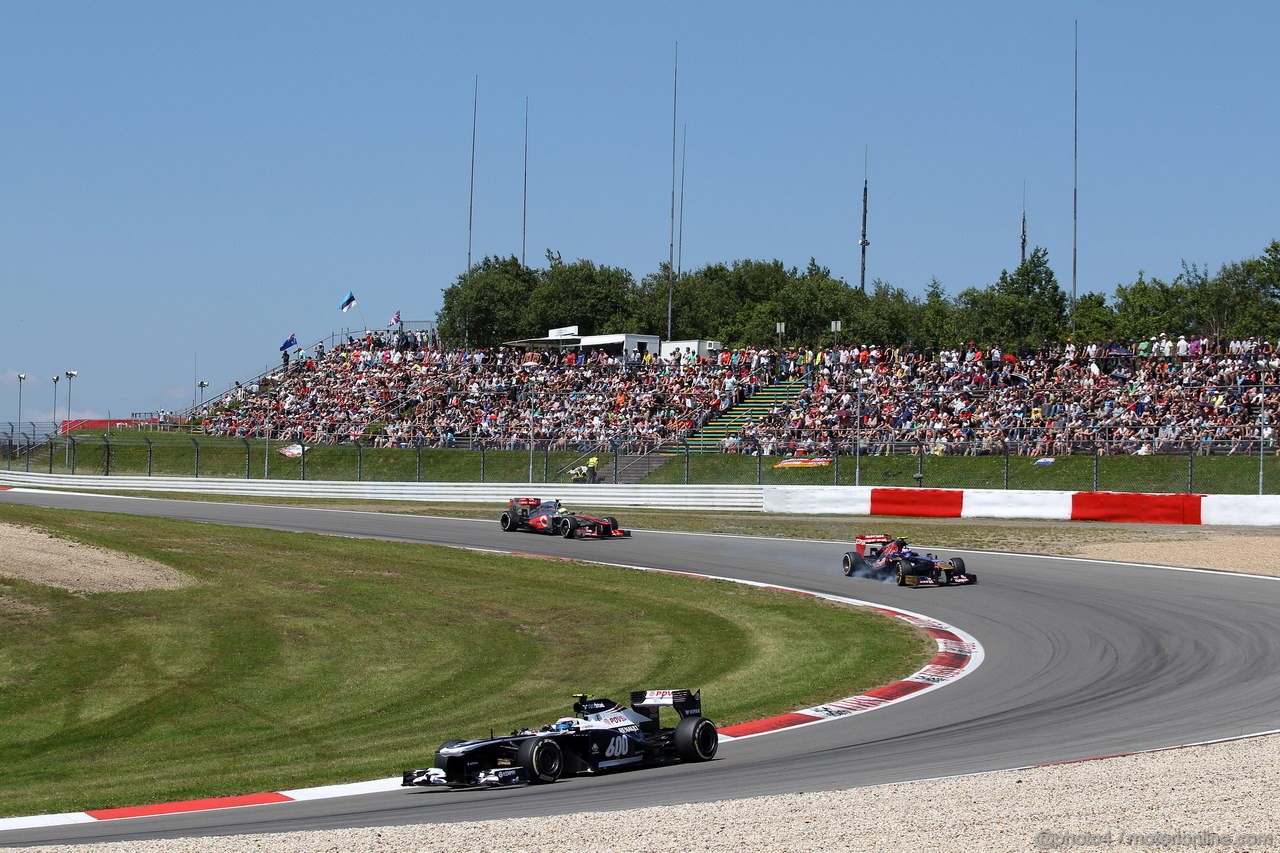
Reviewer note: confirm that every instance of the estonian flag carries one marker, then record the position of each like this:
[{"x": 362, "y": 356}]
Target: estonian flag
[
  {"x": 348, "y": 303},
  {"x": 292, "y": 342}
]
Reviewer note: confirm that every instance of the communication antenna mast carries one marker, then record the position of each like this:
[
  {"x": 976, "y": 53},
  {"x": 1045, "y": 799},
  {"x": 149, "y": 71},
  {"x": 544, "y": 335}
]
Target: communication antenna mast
[
  {"x": 1024, "y": 222},
  {"x": 864, "y": 242}
]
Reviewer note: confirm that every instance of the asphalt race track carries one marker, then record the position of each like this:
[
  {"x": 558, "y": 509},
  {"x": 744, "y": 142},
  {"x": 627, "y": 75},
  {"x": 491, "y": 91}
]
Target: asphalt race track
[{"x": 1082, "y": 659}]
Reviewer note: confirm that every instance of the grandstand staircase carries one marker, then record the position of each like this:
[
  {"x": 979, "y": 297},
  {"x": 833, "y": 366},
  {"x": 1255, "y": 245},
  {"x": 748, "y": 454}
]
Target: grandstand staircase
[
  {"x": 756, "y": 407},
  {"x": 632, "y": 468}
]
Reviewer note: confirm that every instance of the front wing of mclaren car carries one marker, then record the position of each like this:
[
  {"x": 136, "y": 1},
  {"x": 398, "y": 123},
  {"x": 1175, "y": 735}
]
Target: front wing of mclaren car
[{"x": 591, "y": 527}]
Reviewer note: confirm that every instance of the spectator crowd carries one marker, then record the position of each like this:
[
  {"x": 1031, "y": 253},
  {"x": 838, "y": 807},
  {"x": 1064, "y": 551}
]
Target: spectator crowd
[{"x": 1167, "y": 394}]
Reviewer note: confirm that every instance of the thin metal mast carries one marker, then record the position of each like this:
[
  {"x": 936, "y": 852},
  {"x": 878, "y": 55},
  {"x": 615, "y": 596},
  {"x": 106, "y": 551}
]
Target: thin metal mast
[
  {"x": 864, "y": 242},
  {"x": 671, "y": 245},
  {"x": 684, "y": 148},
  {"x": 524, "y": 222},
  {"x": 471, "y": 204},
  {"x": 1075, "y": 171}
]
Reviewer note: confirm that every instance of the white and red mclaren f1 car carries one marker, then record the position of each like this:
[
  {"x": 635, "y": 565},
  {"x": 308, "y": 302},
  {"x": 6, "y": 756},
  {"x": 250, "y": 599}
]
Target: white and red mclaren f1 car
[{"x": 547, "y": 516}]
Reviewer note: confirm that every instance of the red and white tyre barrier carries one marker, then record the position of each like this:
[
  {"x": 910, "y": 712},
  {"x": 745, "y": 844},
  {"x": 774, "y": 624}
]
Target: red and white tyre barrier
[{"x": 1130, "y": 507}]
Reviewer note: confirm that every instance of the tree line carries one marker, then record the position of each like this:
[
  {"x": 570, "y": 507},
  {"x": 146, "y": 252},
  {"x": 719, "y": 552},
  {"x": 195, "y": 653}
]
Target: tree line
[{"x": 740, "y": 304}]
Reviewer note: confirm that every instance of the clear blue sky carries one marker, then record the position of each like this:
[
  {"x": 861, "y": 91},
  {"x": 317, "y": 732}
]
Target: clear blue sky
[{"x": 183, "y": 184}]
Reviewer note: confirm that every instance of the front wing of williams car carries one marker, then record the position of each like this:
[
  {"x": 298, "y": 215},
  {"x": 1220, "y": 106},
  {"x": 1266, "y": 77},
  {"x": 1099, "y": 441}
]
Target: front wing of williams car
[{"x": 605, "y": 736}]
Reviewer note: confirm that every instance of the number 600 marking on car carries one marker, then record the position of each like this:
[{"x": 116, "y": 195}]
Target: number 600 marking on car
[{"x": 617, "y": 747}]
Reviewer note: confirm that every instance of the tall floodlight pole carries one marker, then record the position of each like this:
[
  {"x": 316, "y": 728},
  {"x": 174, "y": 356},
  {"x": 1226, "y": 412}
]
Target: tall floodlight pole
[
  {"x": 1075, "y": 170},
  {"x": 671, "y": 245},
  {"x": 56, "y": 377},
  {"x": 864, "y": 242},
  {"x": 22, "y": 377},
  {"x": 71, "y": 374},
  {"x": 524, "y": 221}
]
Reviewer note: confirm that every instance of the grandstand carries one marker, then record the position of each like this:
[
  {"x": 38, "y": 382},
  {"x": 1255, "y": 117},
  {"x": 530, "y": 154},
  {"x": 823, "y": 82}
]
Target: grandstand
[{"x": 404, "y": 389}]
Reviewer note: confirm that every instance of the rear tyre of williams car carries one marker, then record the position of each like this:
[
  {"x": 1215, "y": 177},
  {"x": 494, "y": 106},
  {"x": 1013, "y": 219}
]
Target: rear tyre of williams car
[
  {"x": 696, "y": 739},
  {"x": 542, "y": 760}
]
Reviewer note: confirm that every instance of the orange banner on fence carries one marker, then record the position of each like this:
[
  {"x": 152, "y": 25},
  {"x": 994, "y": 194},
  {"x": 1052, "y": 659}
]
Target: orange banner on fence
[{"x": 804, "y": 462}]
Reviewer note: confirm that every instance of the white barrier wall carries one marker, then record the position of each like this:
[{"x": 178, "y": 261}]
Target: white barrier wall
[
  {"x": 1016, "y": 503},
  {"x": 818, "y": 500},
  {"x": 573, "y": 495},
  {"x": 1253, "y": 510}
]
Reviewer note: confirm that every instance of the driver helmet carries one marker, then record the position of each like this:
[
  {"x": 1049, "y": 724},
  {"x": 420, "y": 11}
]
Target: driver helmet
[
  {"x": 566, "y": 724},
  {"x": 907, "y": 552}
]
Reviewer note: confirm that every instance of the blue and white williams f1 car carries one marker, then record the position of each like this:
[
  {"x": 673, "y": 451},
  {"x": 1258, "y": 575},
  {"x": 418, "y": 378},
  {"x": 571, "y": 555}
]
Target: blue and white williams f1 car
[{"x": 602, "y": 735}]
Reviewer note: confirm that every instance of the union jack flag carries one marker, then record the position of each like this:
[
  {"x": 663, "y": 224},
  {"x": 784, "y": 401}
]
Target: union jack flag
[{"x": 395, "y": 319}]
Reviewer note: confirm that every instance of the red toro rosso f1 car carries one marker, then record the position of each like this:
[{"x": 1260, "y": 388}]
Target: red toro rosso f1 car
[
  {"x": 602, "y": 735},
  {"x": 880, "y": 557},
  {"x": 547, "y": 516}
]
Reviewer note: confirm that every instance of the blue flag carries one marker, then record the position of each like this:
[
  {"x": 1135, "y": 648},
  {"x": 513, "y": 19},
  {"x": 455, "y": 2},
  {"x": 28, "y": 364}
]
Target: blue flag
[
  {"x": 292, "y": 342},
  {"x": 348, "y": 303}
]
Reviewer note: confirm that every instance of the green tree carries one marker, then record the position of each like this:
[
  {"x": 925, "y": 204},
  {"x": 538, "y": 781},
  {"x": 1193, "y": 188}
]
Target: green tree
[
  {"x": 596, "y": 299},
  {"x": 1147, "y": 308},
  {"x": 489, "y": 304},
  {"x": 1035, "y": 306},
  {"x": 1093, "y": 318},
  {"x": 1235, "y": 303},
  {"x": 891, "y": 316},
  {"x": 938, "y": 315}
]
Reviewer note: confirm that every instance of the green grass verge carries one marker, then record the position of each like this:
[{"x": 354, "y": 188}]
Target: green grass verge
[{"x": 298, "y": 659}]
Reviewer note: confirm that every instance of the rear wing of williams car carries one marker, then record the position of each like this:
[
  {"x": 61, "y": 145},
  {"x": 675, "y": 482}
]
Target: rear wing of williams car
[{"x": 648, "y": 702}]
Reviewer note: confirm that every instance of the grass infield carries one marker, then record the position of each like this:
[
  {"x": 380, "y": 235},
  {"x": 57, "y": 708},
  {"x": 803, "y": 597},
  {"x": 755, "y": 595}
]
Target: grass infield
[{"x": 297, "y": 659}]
